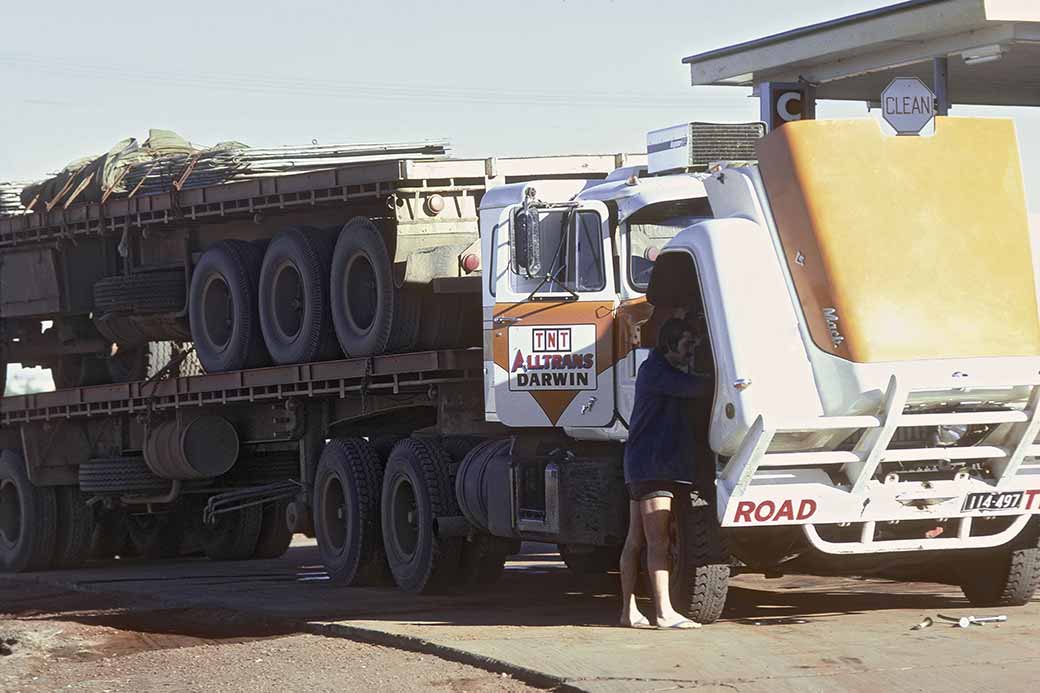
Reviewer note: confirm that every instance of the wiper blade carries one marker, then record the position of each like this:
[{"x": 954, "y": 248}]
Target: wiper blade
[{"x": 550, "y": 277}]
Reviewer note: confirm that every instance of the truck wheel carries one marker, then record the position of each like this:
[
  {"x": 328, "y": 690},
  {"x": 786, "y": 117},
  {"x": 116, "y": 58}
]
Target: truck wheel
[
  {"x": 140, "y": 294},
  {"x": 417, "y": 489},
  {"x": 590, "y": 560},
  {"x": 275, "y": 535},
  {"x": 28, "y": 518},
  {"x": 154, "y": 536},
  {"x": 120, "y": 475},
  {"x": 484, "y": 559},
  {"x": 1007, "y": 578},
  {"x": 362, "y": 289},
  {"x": 234, "y": 536},
  {"x": 346, "y": 512},
  {"x": 75, "y": 528},
  {"x": 294, "y": 296},
  {"x": 699, "y": 566},
  {"x": 222, "y": 307},
  {"x": 404, "y": 334}
]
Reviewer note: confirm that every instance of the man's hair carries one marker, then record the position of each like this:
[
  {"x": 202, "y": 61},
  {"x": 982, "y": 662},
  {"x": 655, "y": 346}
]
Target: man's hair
[{"x": 671, "y": 332}]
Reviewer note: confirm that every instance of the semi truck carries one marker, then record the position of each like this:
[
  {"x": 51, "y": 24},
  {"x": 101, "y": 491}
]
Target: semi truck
[{"x": 455, "y": 346}]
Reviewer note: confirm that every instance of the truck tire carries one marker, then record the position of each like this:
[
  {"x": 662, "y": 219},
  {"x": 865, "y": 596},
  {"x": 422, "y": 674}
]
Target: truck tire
[
  {"x": 404, "y": 333},
  {"x": 417, "y": 489},
  {"x": 347, "y": 486},
  {"x": 120, "y": 475},
  {"x": 275, "y": 535},
  {"x": 75, "y": 528},
  {"x": 28, "y": 518},
  {"x": 223, "y": 308},
  {"x": 295, "y": 316},
  {"x": 590, "y": 560},
  {"x": 234, "y": 536},
  {"x": 1007, "y": 578},
  {"x": 141, "y": 294},
  {"x": 699, "y": 570},
  {"x": 362, "y": 289},
  {"x": 154, "y": 536}
]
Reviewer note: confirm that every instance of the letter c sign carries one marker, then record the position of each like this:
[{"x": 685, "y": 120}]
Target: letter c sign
[{"x": 785, "y": 103}]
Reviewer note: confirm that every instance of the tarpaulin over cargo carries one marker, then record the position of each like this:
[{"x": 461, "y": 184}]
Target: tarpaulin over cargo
[
  {"x": 166, "y": 161},
  {"x": 10, "y": 200}
]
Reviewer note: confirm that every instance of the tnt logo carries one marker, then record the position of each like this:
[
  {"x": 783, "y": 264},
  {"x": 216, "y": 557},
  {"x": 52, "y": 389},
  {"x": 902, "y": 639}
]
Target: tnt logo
[{"x": 548, "y": 339}]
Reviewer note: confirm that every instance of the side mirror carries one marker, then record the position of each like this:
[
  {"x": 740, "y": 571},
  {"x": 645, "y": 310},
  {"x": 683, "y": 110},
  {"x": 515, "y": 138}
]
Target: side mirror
[{"x": 526, "y": 242}]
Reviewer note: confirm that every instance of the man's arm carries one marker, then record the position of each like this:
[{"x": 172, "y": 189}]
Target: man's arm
[{"x": 672, "y": 383}]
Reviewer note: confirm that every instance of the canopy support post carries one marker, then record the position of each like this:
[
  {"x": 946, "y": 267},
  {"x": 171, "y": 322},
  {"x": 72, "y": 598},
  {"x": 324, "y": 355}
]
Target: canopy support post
[{"x": 940, "y": 86}]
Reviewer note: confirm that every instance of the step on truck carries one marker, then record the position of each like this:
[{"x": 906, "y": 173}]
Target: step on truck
[{"x": 866, "y": 305}]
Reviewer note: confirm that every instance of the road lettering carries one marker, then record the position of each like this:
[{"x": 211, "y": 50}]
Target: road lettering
[{"x": 771, "y": 511}]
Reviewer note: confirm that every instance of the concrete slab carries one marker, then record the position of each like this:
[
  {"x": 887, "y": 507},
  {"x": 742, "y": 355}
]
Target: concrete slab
[{"x": 792, "y": 634}]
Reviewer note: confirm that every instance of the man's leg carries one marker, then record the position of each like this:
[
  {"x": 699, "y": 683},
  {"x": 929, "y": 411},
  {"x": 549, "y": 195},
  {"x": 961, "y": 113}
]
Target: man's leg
[
  {"x": 630, "y": 554},
  {"x": 656, "y": 513}
]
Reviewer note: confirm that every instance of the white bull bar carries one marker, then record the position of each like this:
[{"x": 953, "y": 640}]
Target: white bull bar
[{"x": 761, "y": 488}]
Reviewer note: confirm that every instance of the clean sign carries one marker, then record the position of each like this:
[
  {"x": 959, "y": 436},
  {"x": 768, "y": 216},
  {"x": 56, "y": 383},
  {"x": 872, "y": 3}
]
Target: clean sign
[{"x": 908, "y": 105}]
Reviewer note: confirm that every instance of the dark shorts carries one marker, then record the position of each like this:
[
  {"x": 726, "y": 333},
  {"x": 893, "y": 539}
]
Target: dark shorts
[{"x": 645, "y": 490}]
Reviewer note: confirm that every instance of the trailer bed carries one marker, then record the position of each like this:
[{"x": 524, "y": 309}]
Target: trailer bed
[
  {"x": 333, "y": 186},
  {"x": 389, "y": 374}
]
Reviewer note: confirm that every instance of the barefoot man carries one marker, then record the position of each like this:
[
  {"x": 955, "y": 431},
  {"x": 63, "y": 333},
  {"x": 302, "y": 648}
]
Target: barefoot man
[{"x": 659, "y": 467}]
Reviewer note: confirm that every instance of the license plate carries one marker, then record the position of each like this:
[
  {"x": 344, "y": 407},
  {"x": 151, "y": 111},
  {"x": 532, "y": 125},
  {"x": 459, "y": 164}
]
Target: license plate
[{"x": 981, "y": 502}]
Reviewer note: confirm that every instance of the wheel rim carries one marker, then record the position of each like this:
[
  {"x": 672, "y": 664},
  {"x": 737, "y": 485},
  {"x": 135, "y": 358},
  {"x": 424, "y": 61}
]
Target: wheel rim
[
  {"x": 217, "y": 311},
  {"x": 288, "y": 300},
  {"x": 360, "y": 294},
  {"x": 10, "y": 513},
  {"x": 406, "y": 517},
  {"x": 334, "y": 514}
]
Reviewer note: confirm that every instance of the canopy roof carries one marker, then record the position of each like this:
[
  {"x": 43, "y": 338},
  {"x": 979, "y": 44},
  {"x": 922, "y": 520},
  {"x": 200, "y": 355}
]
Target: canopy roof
[{"x": 993, "y": 47}]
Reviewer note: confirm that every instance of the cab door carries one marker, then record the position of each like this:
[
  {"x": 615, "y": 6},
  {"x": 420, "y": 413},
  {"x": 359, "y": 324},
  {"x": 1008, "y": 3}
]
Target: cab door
[{"x": 553, "y": 317}]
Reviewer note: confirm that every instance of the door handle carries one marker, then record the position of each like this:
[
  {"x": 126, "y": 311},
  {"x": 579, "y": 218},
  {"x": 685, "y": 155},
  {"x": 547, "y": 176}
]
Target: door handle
[
  {"x": 587, "y": 407},
  {"x": 506, "y": 321}
]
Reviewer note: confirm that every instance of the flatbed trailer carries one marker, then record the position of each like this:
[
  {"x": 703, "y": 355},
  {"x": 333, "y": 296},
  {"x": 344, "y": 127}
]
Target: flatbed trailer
[
  {"x": 394, "y": 374},
  {"x": 120, "y": 271},
  {"x": 366, "y": 181},
  {"x": 132, "y": 455}
]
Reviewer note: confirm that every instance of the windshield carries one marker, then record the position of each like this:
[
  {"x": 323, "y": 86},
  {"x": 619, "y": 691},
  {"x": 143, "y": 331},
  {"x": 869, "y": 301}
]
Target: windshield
[
  {"x": 650, "y": 229},
  {"x": 569, "y": 251}
]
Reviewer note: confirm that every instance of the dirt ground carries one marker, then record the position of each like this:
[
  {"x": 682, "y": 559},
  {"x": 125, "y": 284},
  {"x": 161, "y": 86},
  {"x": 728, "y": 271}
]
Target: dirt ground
[{"x": 61, "y": 640}]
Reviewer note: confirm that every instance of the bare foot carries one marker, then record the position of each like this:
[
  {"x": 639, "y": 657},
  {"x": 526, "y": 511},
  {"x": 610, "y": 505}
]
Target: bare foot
[
  {"x": 677, "y": 622},
  {"x": 635, "y": 620}
]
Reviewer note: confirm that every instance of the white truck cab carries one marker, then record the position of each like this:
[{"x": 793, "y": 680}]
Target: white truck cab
[{"x": 867, "y": 306}]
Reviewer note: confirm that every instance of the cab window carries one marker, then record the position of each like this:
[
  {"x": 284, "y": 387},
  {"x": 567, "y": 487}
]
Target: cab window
[
  {"x": 650, "y": 229},
  {"x": 566, "y": 254}
]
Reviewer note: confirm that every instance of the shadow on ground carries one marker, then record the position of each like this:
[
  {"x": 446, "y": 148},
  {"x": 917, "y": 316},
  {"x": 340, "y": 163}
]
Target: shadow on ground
[{"x": 257, "y": 599}]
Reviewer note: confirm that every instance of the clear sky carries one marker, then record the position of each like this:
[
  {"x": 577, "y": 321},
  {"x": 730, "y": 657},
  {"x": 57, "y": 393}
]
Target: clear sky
[{"x": 495, "y": 78}]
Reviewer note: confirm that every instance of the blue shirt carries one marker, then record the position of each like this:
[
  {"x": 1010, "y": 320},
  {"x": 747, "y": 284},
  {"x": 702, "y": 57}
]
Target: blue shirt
[{"x": 660, "y": 436}]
